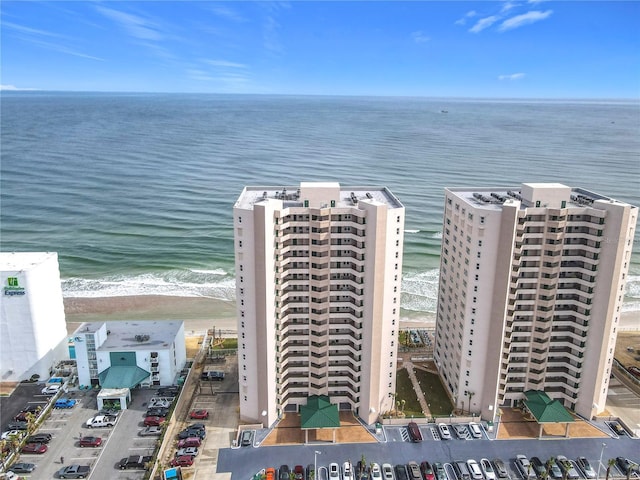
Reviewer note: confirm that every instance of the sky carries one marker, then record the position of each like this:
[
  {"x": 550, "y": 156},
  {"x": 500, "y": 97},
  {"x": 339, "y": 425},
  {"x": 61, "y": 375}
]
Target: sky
[{"x": 498, "y": 49}]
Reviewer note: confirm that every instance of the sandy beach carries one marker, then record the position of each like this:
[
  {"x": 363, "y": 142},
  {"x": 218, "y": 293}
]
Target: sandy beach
[{"x": 201, "y": 314}]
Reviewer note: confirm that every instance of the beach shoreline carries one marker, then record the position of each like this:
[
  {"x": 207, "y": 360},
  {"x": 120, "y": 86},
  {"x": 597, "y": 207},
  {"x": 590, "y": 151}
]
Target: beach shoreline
[{"x": 202, "y": 313}]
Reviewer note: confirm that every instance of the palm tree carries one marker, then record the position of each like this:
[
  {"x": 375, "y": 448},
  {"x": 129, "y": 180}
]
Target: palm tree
[
  {"x": 470, "y": 394},
  {"x": 610, "y": 463},
  {"x": 632, "y": 468},
  {"x": 402, "y": 402}
]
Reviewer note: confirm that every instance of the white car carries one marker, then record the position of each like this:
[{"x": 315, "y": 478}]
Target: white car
[
  {"x": 12, "y": 433},
  {"x": 347, "y": 471},
  {"x": 474, "y": 470},
  {"x": 445, "y": 433},
  {"x": 476, "y": 431},
  {"x": 525, "y": 467},
  {"x": 334, "y": 471},
  {"x": 387, "y": 472},
  {"x": 191, "y": 451},
  {"x": 51, "y": 389},
  {"x": 487, "y": 469},
  {"x": 376, "y": 473}
]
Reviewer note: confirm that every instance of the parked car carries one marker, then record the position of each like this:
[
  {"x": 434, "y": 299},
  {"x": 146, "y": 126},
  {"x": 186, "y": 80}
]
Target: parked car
[
  {"x": 401, "y": 472},
  {"x": 157, "y": 412},
  {"x": 525, "y": 467},
  {"x": 190, "y": 442},
  {"x": 487, "y": 469},
  {"x": 192, "y": 432},
  {"x": 334, "y": 471},
  {"x": 567, "y": 467},
  {"x": 283, "y": 472},
  {"x": 414, "y": 471},
  {"x": 193, "y": 451},
  {"x": 617, "y": 428},
  {"x": 461, "y": 470},
  {"x": 34, "y": 448},
  {"x": 31, "y": 408},
  {"x": 427, "y": 471},
  {"x": 439, "y": 471},
  {"x": 246, "y": 438},
  {"x": 74, "y": 471},
  {"x": 414, "y": 432},
  {"x": 12, "y": 433},
  {"x": 362, "y": 471},
  {"x": 90, "y": 442},
  {"x": 347, "y": 471},
  {"x": 387, "y": 472},
  {"x": 199, "y": 414},
  {"x": 376, "y": 472},
  {"x": 584, "y": 465},
  {"x": 625, "y": 465},
  {"x": 100, "y": 421},
  {"x": 109, "y": 412},
  {"x": 461, "y": 431},
  {"x": 184, "y": 461},
  {"x": 538, "y": 467},
  {"x": 554, "y": 470},
  {"x": 65, "y": 403},
  {"x": 500, "y": 468},
  {"x": 155, "y": 421},
  {"x": 474, "y": 470},
  {"x": 310, "y": 472},
  {"x": 298, "y": 472},
  {"x": 22, "y": 467},
  {"x": 51, "y": 389},
  {"x": 445, "y": 433},
  {"x": 151, "y": 431},
  {"x": 170, "y": 391},
  {"x": 476, "y": 431},
  {"x": 17, "y": 425},
  {"x": 40, "y": 438}
]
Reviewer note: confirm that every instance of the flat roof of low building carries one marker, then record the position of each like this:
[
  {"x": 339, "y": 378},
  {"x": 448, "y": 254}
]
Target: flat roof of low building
[
  {"x": 21, "y": 261},
  {"x": 135, "y": 335},
  {"x": 290, "y": 195}
]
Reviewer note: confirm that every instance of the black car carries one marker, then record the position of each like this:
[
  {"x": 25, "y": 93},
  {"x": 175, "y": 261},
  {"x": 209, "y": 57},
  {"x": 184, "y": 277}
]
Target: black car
[
  {"x": 39, "y": 438},
  {"x": 171, "y": 391},
  {"x": 625, "y": 465},
  {"x": 310, "y": 472},
  {"x": 22, "y": 467},
  {"x": 538, "y": 467},
  {"x": 617, "y": 428},
  {"x": 362, "y": 471},
  {"x": 401, "y": 472},
  {"x": 157, "y": 412},
  {"x": 283, "y": 472},
  {"x": 192, "y": 432},
  {"x": 17, "y": 426}
]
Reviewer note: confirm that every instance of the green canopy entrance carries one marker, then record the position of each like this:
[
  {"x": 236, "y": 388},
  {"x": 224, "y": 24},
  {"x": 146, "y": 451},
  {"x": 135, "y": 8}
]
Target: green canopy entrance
[
  {"x": 546, "y": 410},
  {"x": 319, "y": 412}
]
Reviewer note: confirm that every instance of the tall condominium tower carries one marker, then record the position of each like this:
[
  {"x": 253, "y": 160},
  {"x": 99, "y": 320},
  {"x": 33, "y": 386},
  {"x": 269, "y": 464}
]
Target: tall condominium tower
[
  {"x": 318, "y": 273},
  {"x": 531, "y": 287}
]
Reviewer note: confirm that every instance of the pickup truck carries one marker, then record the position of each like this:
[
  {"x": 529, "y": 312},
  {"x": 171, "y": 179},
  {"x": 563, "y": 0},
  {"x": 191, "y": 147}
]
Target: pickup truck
[
  {"x": 138, "y": 462},
  {"x": 101, "y": 421},
  {"x": 74, "y": 471}
]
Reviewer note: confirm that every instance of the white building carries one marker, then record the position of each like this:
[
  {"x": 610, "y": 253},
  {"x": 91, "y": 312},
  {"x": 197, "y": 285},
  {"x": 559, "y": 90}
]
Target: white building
[
  {"x": 124, "y": 354},
  {"x": 531, "y": 288},
  {"x": 33, "y": 329},
  {"x": 318, "y": 274}
]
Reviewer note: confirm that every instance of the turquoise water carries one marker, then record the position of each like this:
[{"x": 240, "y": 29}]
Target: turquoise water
[{"x": 135, "y": 191}]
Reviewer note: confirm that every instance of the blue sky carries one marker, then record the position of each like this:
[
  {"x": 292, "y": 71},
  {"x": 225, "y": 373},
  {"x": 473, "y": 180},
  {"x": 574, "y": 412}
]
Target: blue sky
[{"x": 525, "y": 49}]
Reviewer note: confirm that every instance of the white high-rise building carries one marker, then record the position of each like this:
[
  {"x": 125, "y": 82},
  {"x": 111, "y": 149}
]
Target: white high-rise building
[
  {"x": 33, "y": 329},
  {"x": 318, "y": 274},
  {"x": 531, "y": 288}
]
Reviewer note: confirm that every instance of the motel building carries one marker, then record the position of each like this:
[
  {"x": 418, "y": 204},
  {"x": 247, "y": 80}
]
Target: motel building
[{"x": 121, "y": 355}]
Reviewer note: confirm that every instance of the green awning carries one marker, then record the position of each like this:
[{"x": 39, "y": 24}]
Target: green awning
[
  {"x": 546, "y": 410},
  {"x": 122, "y": 377},
  {"x": 319, "y": 412}
]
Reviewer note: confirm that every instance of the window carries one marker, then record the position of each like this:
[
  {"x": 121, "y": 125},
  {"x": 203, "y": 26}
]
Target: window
[
  {"x": 398, "y": 219},
  {"x": 482, "y": 220},
  {"x": 240, "y": 243},
  {"x": 239, "y": 219}
]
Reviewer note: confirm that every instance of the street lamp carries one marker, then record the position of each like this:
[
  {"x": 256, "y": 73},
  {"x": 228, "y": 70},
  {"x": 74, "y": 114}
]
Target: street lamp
[
  {"x": 315, "y": 464},
  {"x": 604, "y": 445}
]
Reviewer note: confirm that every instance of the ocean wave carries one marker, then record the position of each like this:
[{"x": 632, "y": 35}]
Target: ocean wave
[
  {"x": 419, "y": 289},
  {"x": 412, "y": 231}
]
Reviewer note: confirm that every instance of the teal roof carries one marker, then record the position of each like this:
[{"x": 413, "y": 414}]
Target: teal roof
[
  {"x": 122, "y": 377},
  {"x": 546, "y": 410},
  {"x": 319, "y": 412}
]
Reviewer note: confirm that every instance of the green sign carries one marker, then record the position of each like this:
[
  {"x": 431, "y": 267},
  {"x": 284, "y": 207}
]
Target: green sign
[{"x": 13, "y": 287}]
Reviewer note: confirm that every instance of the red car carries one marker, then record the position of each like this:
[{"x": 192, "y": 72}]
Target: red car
[
  {"x": 90, "y": 441},
  {"x": 199, "y": 414},
  {"x": 183, "y": 461},
  {"x": 153, "y": 421},
  {"x": 34, "y": 448}
]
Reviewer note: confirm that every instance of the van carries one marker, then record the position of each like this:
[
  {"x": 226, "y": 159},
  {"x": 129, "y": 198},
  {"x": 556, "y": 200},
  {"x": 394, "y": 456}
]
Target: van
[
  {"x": 462, "y": 472},
  {"x": 245, "y": 439},
  {"x": 414, "y": 432},
  {"x": 212, "y": 375}
]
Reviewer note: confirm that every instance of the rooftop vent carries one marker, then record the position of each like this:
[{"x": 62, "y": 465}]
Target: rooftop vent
[
  {"x": 142, "y": 338},
  {"x": 369, "y": 195},
  {"x": 354, "y": 199}
]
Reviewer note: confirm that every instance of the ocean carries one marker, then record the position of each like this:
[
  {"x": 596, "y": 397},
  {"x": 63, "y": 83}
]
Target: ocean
[{"x": 135, "y": 191}]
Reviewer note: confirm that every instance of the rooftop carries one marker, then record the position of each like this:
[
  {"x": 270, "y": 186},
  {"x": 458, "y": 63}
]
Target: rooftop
[
  {"x": 135, "y": 335},
  {"x": 349, "y": 196},
  {"x": 21, "y": 261}
]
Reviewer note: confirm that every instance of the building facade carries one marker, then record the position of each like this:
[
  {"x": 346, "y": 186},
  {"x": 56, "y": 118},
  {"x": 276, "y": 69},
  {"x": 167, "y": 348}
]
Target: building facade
[
  {"x": 33, "y": 327},
  {"x": 124, "y": 354},
  {"x": 318, "y": 274},
  {"x": 530, "y": 294}
]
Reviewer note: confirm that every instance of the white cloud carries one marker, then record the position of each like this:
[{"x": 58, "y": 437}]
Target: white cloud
[
  {"x": 484, "y": 23},
  {"x": 463, "y": 20},
  {"x": 513, "y": 76},
  {"x": 506, "y": 6},
  {"x": 419, "y": 37},
  {"x": 30, "y": 31},
  {"x": 229, "y": 14},
  {"x": 134, "y": 25},
  {"x": 225, "y": 64},
  {"x": 13, "y": 88},
  {"x": 524, "y": 19}
]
